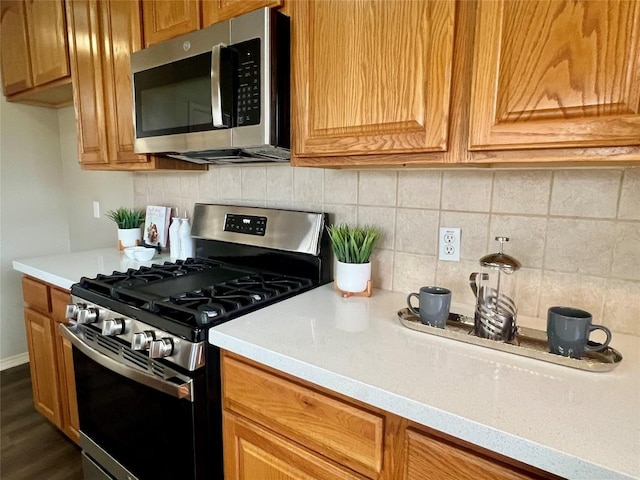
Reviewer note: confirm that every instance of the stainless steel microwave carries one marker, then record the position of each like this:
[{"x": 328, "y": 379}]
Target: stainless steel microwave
[{"x": 217, "y": 95}]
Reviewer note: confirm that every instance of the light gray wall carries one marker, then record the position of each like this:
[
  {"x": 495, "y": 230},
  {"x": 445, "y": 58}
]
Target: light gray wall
[
  {"x": 33, "y": 217},
  {"x": 46, "y": 204},
  {"x": 110, "y": 189}
]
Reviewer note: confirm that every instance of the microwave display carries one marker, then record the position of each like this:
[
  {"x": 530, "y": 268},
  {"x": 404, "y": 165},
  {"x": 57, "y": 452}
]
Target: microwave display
[{"x": 177, "y": 97}]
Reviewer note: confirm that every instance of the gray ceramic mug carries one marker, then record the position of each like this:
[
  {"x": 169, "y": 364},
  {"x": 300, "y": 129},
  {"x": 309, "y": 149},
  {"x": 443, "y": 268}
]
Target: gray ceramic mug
[
  {"x": 568, "y": 331},
  {"x": 434, "y": 304}
]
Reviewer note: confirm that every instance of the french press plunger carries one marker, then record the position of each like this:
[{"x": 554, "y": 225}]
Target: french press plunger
[{"x": 494, "y": 288}]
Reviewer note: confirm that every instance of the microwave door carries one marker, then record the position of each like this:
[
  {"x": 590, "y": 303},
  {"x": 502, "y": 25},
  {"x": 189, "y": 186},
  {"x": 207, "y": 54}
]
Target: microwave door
[{"x": 175, "y": 103}]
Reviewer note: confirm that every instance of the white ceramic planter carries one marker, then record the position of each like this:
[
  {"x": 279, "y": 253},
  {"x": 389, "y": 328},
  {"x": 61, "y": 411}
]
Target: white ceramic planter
[
  {"x": 352, "y": 277},
  {"x": 129, "y": 237}
]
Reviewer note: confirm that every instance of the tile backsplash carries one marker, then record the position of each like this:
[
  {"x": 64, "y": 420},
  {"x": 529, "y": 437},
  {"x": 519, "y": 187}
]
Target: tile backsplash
[{"x": 575, "y": 231}]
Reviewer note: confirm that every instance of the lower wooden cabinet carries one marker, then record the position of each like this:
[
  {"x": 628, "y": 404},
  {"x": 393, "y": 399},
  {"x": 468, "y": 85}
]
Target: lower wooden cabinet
[
  {"x": 279, "y": 427},
  {"x": 42, "y": 362},
  {"x": 253, "y": 452},
  {"x": 50, "y": 355}
]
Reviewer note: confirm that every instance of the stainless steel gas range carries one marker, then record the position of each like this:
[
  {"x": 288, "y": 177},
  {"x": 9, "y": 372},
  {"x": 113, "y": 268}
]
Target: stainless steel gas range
[{"x": 147, "y": 382}]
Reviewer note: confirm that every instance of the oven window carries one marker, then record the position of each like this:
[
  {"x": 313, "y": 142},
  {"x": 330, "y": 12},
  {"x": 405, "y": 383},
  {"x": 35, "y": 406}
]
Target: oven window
[{"x": 150, "y": 433}]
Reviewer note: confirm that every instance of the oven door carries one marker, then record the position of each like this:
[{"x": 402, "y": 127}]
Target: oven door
[{"x": 134, "y": 425}]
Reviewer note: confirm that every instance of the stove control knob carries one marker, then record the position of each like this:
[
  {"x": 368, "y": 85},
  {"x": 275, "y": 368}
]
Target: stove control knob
[
  {"x": 142, "y": 340},
  {"x": 161, "y": 348},
  {"x": 72, "y": 310},
  {"x": 114, "y": 326},
  {"x": 87, "y": 315}
]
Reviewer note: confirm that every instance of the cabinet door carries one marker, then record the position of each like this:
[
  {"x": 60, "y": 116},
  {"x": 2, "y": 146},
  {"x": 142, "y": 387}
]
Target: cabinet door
[
  {"x": 214, "y": 11},
  {"x": 64, "y": 355},
  {"x": 371, "y": 77},
  {"x": 43, "y": 365},
  {"x": 551, "y": 73},
  {"x": 14, "y": 48},
  {"x": 252, "y": 452},
  {"x": 122, "y": 34},
  {"x": 428, "y": 458},
  {"x": 85, "y": 38},
  {"x": 345, "y": 433},
  {"x": 165, "y": 19},
  {"x": 47, "y": 40}
]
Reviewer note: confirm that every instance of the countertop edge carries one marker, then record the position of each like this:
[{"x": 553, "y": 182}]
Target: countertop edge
[
  {"x": 45, "y": 276},
  {"x": 509, "y": 445}
]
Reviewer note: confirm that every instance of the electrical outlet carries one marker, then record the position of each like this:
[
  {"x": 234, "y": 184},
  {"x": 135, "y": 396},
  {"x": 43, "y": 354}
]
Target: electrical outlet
[
  {"x": 96, "y": 209},
  {"x": 449, "y": 244}
]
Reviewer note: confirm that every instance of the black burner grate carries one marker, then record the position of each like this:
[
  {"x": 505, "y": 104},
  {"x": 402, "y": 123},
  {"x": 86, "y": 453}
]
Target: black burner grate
[{"x": 193, "y": 293}]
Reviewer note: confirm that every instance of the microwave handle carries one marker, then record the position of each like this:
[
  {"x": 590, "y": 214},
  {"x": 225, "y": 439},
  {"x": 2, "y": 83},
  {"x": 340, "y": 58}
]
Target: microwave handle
[{"x": 216, "y": 91}]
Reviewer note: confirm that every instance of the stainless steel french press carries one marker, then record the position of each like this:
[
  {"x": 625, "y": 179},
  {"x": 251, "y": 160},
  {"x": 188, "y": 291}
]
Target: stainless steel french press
[{"x": 494, "y": 288}]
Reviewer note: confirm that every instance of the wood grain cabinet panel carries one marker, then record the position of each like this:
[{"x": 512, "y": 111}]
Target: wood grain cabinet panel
[
  {"x": 50, "y": 355},
  {"x": 43, "y": 365},
  {"x": 34, "y": 54},
  {"x": 36, "y": 295},
  {"x": 16, "y": 63},
  {"x": 345, "y": 433},
  {"x": 371, "y": 77},
  {"x": 214, "y": 11},
  {"x": 47, "y": 40},
  {"x": 430, "y": 458},
  {"x": 85, "y": 39},
  {"x": 550, "y": 73},
  {"x": 252, "y": 452},
  {"x": 70, "y": 422},
  {"x": 165, "y": 19}
]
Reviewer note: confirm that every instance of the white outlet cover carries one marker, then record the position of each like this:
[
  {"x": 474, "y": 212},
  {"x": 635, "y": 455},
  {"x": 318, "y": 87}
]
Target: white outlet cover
[{"x": 449, "y": 244}]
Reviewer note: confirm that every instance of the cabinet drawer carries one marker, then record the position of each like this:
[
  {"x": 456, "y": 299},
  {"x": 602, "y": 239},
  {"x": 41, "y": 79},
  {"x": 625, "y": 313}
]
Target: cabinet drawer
[
  {"x": 59, "y": 301},
  {"x": 343, "y": 432},
  {"x": 36, "y": 294}
]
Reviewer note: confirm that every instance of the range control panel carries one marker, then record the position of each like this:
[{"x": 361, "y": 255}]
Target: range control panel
[{"x": 249, "y": 224}]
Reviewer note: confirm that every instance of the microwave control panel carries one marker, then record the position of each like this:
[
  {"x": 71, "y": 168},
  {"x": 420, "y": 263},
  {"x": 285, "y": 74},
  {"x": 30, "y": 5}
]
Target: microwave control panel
[{"x": 248, "y": 81}]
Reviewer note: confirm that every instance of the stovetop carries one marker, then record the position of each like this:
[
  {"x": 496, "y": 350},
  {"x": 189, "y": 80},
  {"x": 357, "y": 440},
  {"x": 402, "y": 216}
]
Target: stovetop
[{"x": 187, "y": 297}]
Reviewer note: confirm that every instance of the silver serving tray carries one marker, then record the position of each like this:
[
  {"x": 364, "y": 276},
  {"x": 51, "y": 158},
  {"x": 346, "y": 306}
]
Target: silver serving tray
[{"x": 528, "y": 342}]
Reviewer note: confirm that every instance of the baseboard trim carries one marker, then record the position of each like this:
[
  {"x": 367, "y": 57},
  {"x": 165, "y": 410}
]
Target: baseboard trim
[{"x": 14, "y": 361}]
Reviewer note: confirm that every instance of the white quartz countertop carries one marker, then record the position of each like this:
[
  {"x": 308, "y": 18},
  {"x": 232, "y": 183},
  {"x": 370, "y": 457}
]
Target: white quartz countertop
[
  {"x": 65, "y": 269},
  {"x": 576, "y": 424}
]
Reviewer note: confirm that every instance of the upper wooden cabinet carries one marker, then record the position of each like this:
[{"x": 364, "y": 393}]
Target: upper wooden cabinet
[
  {"x": 550, "y": 73},
  {"x": 476, "y": 82},
  {"x": 16, "y": 63},
  {"x": 102, "y": 36},
  {"x": 371, "y": 77},
  {"x": 214, "y": 11},
  {"x": 35, "y": 60},
  {"x": 165, "y": 19},
  {"x": 168, "y": 19}
]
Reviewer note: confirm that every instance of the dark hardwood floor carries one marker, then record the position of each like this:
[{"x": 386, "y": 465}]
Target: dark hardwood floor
[{"x": 31, "y": 448}]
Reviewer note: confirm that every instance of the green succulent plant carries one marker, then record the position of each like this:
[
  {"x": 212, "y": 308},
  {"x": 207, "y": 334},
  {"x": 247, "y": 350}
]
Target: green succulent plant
[
  {"x": 127, "y": 217},
  {"x": 353, "y": 244}
]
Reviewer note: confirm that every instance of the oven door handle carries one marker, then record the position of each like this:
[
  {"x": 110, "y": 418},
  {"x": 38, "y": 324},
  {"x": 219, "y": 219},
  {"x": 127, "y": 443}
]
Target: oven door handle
[{"x": 181, "y": 391}]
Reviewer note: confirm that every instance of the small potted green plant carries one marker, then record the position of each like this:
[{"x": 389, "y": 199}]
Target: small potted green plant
[
  {"x": 353, "y": 246},
  {"x": 129, "y": 221}
]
